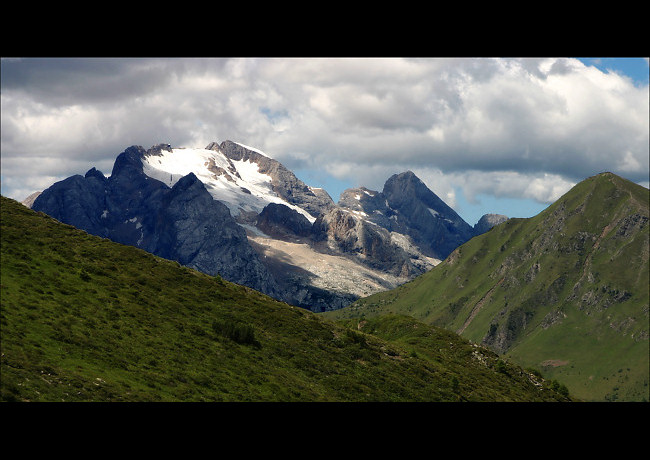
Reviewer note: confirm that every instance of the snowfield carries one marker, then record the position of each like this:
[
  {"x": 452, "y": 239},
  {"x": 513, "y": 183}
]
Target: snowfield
[{"x": 238, "y": 184}]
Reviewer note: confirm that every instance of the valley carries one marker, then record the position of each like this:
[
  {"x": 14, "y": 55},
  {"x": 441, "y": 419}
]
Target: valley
[
  {"x": 303, "y": 265},
  {"x": 85, "y": 319},
  {"x": 232, "y": 210},
  {"x": 565, "y": 291}
]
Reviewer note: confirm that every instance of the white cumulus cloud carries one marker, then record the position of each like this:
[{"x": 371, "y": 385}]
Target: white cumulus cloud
[{"x": 507, "y": 127}]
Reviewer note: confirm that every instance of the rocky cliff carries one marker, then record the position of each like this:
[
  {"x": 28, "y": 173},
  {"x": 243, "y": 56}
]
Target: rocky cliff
[
  {"x": 283, "y": 182},
  {"x": 182, "y": 223},
  {"x": 487, "y": 221},
  {"x": 406, "y": 228},
  {"x": 565, "y": 291},
  {"x": 233, "y": 210},
  {"x": 280, "y": 221},
  {"x": 430, "y": 222}
]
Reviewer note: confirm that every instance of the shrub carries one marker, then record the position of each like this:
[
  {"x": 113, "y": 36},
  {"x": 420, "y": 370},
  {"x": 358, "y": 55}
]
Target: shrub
[
  {"x": 560, "y": 388},
  {"x": 83, "y": 274},
  {"x": 237, "y": 332},
  {"x": 355, "y": 337},
  {"x": 500, "y": 366},
  {"x": 534, "y": 371}
]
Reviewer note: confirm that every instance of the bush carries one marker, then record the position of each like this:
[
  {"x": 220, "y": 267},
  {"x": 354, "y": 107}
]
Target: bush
[
  {"x": 534, "y": 371},
  {"x": 83, "y": 274},
  {"x": 454, "y": 383},
  {"x": 355, "y": 337},
  {"x": 237, "y": 332},
  {"x": 560, "y": 388},
  {"x": 500, "y": 366}
]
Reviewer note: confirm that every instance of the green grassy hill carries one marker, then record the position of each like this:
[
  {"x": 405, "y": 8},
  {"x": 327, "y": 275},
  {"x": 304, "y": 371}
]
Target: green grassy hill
[
  {"x": 565, "y": 292},
  {"x": 86, "y": 319}
]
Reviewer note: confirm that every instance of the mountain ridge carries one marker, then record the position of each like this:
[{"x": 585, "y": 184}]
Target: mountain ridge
[
  {"x": 87, "y": 319},
  {"x": 283, "y": 219},
  {"x": 131, "y": 208},
  {"x": 566, "y": 290}
]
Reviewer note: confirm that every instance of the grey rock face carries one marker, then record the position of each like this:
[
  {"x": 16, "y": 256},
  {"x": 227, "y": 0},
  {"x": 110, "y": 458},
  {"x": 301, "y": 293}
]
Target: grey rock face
[
  {"x": 183, "y": 223},
  {"x": 75, "y": 201},
  {"x": 200, "y": 232},
  {"x": 371, "y": 205},
  {"x": 371, "y": 244},
  {"x": 283, "y": 181},
  {"x": 407, "y": 206},
  {"x": 434, "y": 226},
  {"x": 29, "y": 201},
  {"x": 487, "y": 221},
  {"x": 280, "y": 221}
]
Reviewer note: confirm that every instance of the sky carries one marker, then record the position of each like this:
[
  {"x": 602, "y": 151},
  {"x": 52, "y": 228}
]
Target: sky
[{"x": 487, "y": 135}]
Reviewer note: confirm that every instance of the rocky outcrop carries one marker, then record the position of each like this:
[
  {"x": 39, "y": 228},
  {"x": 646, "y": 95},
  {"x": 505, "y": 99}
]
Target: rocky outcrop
[
  {"x": 181, "y": 223},
  {"x": 283, "y": 181},
  {"x": 418, "y": 212},
  {"x": 487, "y": 221},
  {"x": 350, "y": 233},
  {"x": 29, "y": 201},
  {"x": 200, "y": 233},
  {"x": 280, "y": 221},
  {"x": 406, "y": 207},
  {"x": 367, "y": 204}
]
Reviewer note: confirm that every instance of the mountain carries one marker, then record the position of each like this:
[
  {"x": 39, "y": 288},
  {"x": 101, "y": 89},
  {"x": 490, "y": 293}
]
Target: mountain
[
  {"x": 421, "y": 214},
  {"x": 272, "y": 174},
  {"x": 407, "y": 207},
  {"x": 29, "y": 201},
  {"x": 264, "y": 227},
  {"x": 565, "y": 291},
  {"x": 243, "y": 178},
  {"x": 87, "y": 319},
  {"x": 487, "y": 221},
  {"x": 180, "y": 222}
]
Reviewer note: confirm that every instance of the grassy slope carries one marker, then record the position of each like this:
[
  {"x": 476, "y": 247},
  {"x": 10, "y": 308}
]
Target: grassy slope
[
  {"x": 86, "y": 319},
  {"x": 518, "y": 280}
]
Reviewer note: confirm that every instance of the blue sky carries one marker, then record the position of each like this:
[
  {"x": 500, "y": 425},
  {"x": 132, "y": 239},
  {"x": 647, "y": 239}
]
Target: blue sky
[
  {"x": 480, "y": 204},
  {"x": 471, "y": 212},
  {"x": 506, "y": 136},
  {"x": 633, "y": 67}
]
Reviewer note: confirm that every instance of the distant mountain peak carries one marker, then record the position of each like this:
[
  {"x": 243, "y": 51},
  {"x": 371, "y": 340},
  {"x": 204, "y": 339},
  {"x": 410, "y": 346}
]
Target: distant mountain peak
[
  {"x": 159, "y": 198},
  {"x": 487, "y": 221},
  {"x": 245, "y": 179},
  {"x": 94, "y": 172},
  {"x": 408, "y": 207},
  {"x": 157, "y": 149},
  {"x": 576, "y": 273},
  {"x": 187, "y": 181}
]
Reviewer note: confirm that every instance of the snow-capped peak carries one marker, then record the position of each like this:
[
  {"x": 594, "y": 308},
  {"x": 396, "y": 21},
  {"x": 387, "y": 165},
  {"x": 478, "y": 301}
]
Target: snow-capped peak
[
  {"x": 253, "y": 149},
  {"x": 236, "y": 183}
]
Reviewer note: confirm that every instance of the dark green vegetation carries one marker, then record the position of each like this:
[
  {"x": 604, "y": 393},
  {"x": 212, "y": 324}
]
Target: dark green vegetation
[
  {"x": 565, "y": 292},
  {"x": 87, "y": 319}
]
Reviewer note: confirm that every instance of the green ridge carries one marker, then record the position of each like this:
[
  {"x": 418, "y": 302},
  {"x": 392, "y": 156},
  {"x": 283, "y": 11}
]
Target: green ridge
[
  {"x": 86, "y": 319},
  {"x": 565, "y": 292}
]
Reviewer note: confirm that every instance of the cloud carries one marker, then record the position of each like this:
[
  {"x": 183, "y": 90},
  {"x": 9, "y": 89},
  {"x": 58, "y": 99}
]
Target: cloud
[
  {"x": 59, "y": 81},
  {"x": 508, "y": 127}
]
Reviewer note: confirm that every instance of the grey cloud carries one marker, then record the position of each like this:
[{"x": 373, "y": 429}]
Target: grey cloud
[
  {"x": 66, "y": 81},
  {"x": 354, "y": 118}
]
